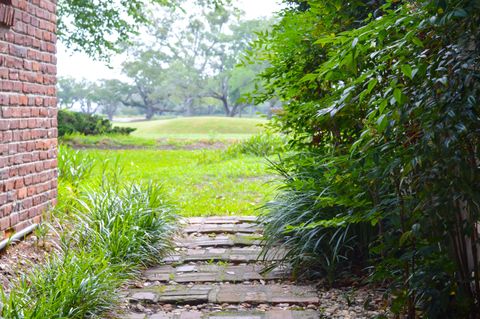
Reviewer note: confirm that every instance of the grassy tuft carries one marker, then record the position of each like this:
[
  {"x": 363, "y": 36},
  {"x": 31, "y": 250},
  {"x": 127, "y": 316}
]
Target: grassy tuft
[
  {"x": 74, "y": 284},
  {"x": 265, "y": 144},
  {"x": 107, "y": 234},
  {"x": 129, "y": 224}
]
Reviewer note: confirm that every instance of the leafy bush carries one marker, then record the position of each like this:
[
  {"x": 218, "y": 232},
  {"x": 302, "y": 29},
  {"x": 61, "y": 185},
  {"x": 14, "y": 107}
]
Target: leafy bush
[
  {"x": 383, "y": 111},
  {"x": 88, "y": 124},
  {"x": 264, "y": 144}
]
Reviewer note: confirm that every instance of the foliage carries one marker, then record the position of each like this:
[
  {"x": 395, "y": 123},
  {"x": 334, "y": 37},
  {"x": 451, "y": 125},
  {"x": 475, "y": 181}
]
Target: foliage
[
  {"x": 76, "y": 284},
  {"x": 89, "y": 124},
  {"x": 383, "y": 113},
  {"x": 74, "y": 166},
  {"x": 130, "y": 223},
  {"x": 190, "y": 67},
  {"x": 106, "y": 235},
  {"x": 101, "y": 28}
]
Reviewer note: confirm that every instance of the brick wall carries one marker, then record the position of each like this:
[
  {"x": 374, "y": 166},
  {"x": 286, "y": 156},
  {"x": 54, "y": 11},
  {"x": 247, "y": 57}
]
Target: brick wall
[{"x": 28, "y": 113}]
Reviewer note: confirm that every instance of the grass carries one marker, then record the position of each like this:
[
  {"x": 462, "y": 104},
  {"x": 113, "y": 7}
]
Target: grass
[
  {"x": 107, "y": 141},
  {"x": 201, "y": 183},
  {"x": 116, "y": 141},
  {"x": 196, "y": 128}
]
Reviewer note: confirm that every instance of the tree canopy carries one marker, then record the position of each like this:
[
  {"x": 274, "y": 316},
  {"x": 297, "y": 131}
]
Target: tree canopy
[{"x": 100, "y": 28}]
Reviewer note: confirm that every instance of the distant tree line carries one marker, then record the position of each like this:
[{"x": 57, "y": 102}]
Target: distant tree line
[{"x": 187, "y": 63}]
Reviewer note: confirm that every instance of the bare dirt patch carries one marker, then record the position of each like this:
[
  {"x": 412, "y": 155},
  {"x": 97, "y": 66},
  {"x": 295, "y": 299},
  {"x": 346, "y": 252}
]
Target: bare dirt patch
[{"x": 18, "y": 258}]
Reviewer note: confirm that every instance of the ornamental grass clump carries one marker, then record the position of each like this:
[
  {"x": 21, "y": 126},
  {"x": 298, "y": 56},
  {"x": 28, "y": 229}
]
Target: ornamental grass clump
[
  {"x": 115, "y": 230},
  {"x": 71, "y": 284},
  {"x": 132, "y": 223}
]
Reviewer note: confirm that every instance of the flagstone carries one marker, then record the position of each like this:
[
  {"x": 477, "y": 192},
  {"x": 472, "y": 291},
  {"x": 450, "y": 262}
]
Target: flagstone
[
  {"x": 212, "y": 273},
  {"x": 235, "y": 294}
]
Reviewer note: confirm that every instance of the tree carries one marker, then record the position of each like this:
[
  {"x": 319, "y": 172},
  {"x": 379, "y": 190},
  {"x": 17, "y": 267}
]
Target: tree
[
  {"x": 100, "y": 28},
  {"x": 151, "y": 89},
  {"x": 77, "y": 93},
  {"x": 231, "y": 81},
  {"x": 108, "y": 95}
]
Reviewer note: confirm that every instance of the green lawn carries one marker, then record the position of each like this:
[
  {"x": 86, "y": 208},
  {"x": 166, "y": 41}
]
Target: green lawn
[
  {"x": 197, "y": 127},
  {"x": 202, "y": 182}
]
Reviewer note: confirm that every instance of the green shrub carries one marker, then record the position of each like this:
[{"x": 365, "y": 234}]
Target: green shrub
[
  {"x": 88, "y": 124},
  {"x": 264, "y": 144},
  {"x": 310, "y": 218},
  {"x": 383, "y": 104}
]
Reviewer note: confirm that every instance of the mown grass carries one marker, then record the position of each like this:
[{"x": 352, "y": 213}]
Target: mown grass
[
  {"x": 197, "y": 127},
  {"x": 202, "y": 183},
  {"x": 117, "y": 141}
]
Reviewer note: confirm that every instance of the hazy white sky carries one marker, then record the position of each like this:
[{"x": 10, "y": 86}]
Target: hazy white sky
[{"x": 81, "y": 66}]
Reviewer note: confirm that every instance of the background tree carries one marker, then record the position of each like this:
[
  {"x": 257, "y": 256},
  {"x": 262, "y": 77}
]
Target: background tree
[
  {"x": 100, "y": 28},
  {"x": 78, "y": 94},
  {"x": 108, "y": 95},
  {"x": 151, "y": 88}
]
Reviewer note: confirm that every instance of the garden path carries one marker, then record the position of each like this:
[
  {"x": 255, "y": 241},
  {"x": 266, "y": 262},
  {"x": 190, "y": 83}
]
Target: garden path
[{"x": 217, "y": 272}]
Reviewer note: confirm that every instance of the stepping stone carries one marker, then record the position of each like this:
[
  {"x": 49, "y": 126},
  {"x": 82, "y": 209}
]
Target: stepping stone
[
  {"x": 272, "y": 314},
  {"x": 244, "y": 254},
  {"x": 221, "y": 240},
  {"x": 178, "y": 294},
  {"x": 249, "y": 228},
  {"x": 212, "y": 273},
  {"x": 222, "y": 220},
  {"x": 264, "y": 294},
  {"x": 233, "y": 294}
]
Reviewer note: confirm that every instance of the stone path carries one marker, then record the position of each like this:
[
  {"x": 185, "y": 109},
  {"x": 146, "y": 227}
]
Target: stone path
[{"x": 216, "y": 273}]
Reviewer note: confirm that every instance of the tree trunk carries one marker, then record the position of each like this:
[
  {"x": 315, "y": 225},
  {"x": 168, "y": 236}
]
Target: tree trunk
[{"x": 149, "y": 113}]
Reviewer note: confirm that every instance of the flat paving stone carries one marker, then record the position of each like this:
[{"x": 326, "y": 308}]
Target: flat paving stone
[
  {"x": 221, "y": 240},
  {"x": 212, "y": 273},
  {"x": 264, "y": 294},
  {"x": 272, "y": 314},
  {"x": 248, "y": 228},
  {"x": 234, "y": 294},
  {"x": 221, "y": 220},
  {"x": 242, "y": 254}
]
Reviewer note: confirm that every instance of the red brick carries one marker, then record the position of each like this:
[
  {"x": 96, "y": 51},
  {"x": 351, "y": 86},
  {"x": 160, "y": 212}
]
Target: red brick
[{"x": 28, "y": 115}]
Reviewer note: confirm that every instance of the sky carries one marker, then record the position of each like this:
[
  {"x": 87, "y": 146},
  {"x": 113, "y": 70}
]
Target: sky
[{"x": 79, "y": 65}]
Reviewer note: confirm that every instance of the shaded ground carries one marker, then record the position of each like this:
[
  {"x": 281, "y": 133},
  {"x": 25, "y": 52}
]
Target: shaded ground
[{"x": 18, "y": 258}]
